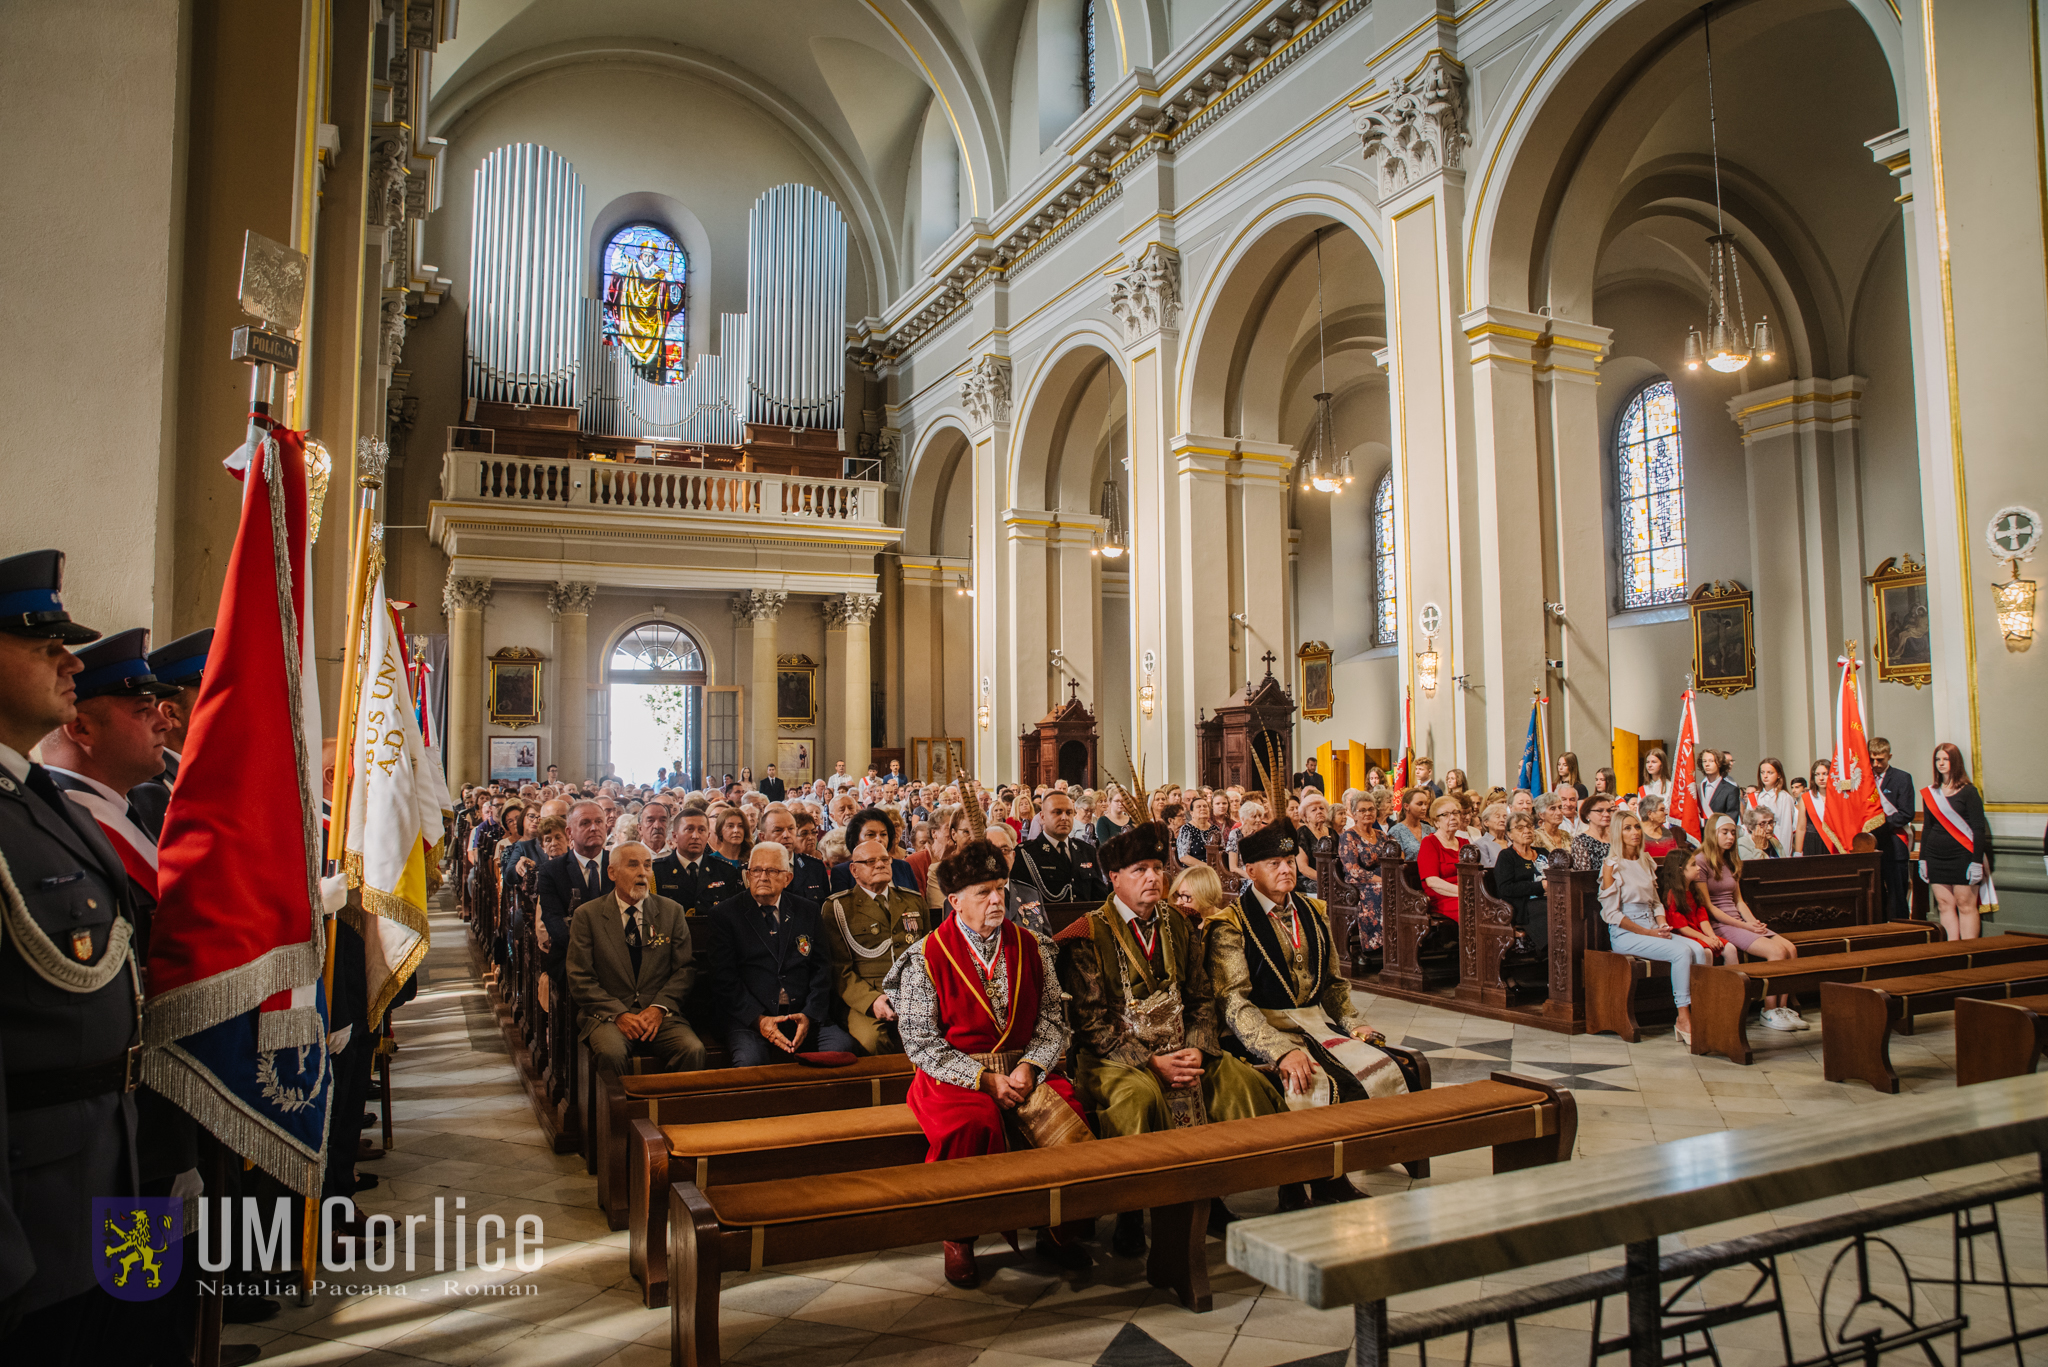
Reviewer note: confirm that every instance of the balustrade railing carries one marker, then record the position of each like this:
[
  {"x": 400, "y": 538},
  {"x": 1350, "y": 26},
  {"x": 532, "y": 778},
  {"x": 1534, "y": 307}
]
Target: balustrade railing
[{"x": 598, "y": 486}]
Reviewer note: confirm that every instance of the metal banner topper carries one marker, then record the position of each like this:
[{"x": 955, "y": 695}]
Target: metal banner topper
[{"x": 273, "y": 285}]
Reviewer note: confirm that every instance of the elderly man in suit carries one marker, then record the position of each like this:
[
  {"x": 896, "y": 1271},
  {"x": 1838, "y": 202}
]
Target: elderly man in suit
[
  {"x": 630, "y": 969},
  {"x": 773, "y": 968}
]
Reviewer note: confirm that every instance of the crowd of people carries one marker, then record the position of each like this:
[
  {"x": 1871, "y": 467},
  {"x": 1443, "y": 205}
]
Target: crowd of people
[{"x": 878, "y": 914}]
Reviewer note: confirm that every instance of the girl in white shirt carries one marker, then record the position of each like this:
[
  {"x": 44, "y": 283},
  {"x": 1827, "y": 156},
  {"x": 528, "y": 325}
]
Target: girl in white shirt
[
  {"x": 1656, "y": 781},
  {"x": 1776, "y": 798}
]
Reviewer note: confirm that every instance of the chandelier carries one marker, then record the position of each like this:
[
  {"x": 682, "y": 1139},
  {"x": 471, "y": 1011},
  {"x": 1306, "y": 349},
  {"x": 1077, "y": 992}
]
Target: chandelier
[
  {"x": 1323, "y": 469},
  {"x": 1116, "y": 536},
  {"x": 1729, "y": 343}
]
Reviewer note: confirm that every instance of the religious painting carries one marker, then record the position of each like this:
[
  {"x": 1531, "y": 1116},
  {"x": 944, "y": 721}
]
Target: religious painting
[
  {"x": 938, "y": 759},
  {"x": 1903, "y": 651},
  {"x": 796, "y": 691},
  {"x": 515, "y": 687},
  {"x": 515, "y": 759},
  {"x": 795, "y": 761},
  {"x": 1318, "y": 693},
  {"x": 1723, "y": 639},
  {"x": 645, "y": 276}
]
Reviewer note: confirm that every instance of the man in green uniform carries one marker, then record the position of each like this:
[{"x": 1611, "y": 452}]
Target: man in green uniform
[
  {"x": 1145, "y": 1013},
  {"x": 869, "y": 926}
]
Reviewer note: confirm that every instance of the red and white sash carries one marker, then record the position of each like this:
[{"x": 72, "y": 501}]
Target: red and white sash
[
  {"x": 130, "y": 841},
  {"x": 1816, "y": 819},
  {"x": 1938, "y": 804}
]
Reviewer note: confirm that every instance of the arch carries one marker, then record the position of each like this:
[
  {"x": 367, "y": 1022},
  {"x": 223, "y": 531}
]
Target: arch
[
  {"x": 944, "y": 453},
  {"x": 673, "y": 217},
  {"x": 678, "y": 621},
  {"x": 1236, "y": 290},
  {"x": 659, "y": 649},
  {"x": 1045, "y": 403}
]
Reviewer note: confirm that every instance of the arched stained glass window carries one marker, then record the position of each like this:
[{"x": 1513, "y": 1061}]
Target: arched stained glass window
[
  {"x": 1651, "y": 468},
  {"x": 1385, "y": 607},
  {"x": 645, "y": 273}
]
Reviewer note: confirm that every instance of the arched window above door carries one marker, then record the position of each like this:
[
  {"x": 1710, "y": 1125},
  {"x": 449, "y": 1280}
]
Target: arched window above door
[{"x": 657, "y": 653}]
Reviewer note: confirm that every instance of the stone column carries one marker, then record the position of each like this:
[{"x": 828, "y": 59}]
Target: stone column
[
  {"x": 1203, "y": 675},
  {"x": 1262, "y": 558},
  {"x": 1800, "y": 441},
  {"x": 1569, "y": 363},
  {"x": 1077, "y": 628},
  {"x": 754, "y": 614},
  {"x": 1145, "y": 296},
  {"x": 1025, "y": 681},
  {"x": 985, "y": 394},
  {"x": 570, "y": 725},
  {"x": 850, "y": 730},
  {"x": 464, "y": 601}
]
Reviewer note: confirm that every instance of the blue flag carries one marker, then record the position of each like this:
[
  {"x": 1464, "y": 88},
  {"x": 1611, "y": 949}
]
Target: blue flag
[{"x": 1529, "y": 776}]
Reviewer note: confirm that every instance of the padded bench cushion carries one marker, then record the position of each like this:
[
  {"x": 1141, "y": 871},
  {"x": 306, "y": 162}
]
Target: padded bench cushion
[
  {"x": 787, "y": 1131},
  {"x": 1850, "y": 967},
  {"x": 759, "y": 1079},
  {"x": 963, "y": 1179}
]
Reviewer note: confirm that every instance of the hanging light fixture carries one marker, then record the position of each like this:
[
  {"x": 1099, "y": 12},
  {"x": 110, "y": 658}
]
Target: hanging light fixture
[
  {"x": 1427, "y": 663},
  {"x": 1729, "y": 343},
  {"x": 1323, "y": 469},
  {"x": 1116, "y": 537}
]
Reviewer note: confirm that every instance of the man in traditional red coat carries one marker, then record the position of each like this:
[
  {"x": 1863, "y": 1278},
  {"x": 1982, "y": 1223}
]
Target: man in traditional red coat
[{"x": 980, "y": 1012}]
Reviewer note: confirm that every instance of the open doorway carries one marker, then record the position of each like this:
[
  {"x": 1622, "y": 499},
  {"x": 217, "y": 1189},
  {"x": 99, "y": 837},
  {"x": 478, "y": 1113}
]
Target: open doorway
[{"x": 655, "y": 682}]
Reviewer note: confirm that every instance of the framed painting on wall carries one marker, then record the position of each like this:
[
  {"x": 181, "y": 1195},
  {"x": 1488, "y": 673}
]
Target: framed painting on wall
[
  {"x": 514, "y": 759},
  {"x": 1904, "y": 651},
  {"x": 1723, "y": 639},
  {"x": 795, "y": 760},
  {"x": 515, "y": 687},
  {"x": 1318, "y": 691},
  {"x": 796, "y": 691}
]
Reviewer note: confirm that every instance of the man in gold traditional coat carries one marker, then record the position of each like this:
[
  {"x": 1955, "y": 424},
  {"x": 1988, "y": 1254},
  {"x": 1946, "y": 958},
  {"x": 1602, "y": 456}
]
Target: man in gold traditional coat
[{"x": 869, "y": 926}]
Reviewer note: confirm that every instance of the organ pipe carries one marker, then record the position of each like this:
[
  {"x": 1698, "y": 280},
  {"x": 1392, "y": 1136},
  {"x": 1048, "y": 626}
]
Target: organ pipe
[
  {"x": 525, "y": 336},
  {"x": 796, "y": 309}
]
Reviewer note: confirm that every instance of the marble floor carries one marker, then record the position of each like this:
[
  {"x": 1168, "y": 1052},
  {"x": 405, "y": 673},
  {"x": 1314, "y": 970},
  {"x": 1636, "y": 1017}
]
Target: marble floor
[{"x": 464, "y": 1134}]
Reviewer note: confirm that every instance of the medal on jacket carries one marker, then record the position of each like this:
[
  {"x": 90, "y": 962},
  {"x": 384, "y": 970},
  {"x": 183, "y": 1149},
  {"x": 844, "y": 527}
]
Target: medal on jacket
[
  {"x": 989, "y": 974},
  {"x": 81, "y": 945}
]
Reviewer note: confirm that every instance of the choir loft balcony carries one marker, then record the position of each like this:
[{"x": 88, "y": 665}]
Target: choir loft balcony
[{"x": 648, "y": 524}]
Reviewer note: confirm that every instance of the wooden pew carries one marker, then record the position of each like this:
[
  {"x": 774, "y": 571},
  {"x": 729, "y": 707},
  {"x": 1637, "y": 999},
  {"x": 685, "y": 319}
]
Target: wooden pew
[
  {"x": 727, "y": 1094},
  {"x": 1486, "y": 936},
  {"x": 1723, "y": 996},
  {"x": 1862, "y": 1016},
  {"x": 1421, "y": 951},
  {"x": 755, "y": 1225},
  {"x": 1996, "y": 1039},
  {"x": 1617, "y": 984},
  {"x": 1815, "y": 892}
]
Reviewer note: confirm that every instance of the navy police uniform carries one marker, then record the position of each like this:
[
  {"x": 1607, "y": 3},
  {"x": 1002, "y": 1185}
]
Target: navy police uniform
[
  {"x": 182, "y": 666},
  {"x": 699, "y": 887},
  {"x": 1063, "y": 871}
]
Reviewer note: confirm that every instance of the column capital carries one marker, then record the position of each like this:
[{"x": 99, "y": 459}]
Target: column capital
[
  {"x": 1200, "y": 457},
  {"x": 1894, "y": 152},
  {"x": 1146, "y": 293},
  {"x": 756, "y": 605},
  {"x": 461, "y": 594},
  {"x": 843, "y": 610},
  {"x": 570, "y": 597},
  {"x": 1799, "y": 406},
  {"x": 1418, "y": 126},
  {"x": 985, "y": 391}
]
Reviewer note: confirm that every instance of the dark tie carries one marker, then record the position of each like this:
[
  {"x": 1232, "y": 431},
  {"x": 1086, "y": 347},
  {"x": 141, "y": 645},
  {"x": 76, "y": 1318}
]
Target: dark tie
[
  {"x": 43, "y": 786},
  {"x": 633, "y": 946}
]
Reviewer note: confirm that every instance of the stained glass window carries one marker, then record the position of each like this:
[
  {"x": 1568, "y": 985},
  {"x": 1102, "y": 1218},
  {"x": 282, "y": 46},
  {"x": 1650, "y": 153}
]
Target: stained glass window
[
  {"x": 1651, "y": 467},
  {"x": 656, "y": 649},
  {"x": 1087, "y": 53},
  {"x": 1385, "y": 610},
  {"x": 644, "y": 277}
]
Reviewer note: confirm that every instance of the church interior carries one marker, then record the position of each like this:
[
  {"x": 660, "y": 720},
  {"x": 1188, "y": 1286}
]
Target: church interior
[{"x": 1258, "y": 422}]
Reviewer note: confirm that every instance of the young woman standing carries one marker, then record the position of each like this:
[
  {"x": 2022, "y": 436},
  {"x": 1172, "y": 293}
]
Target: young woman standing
[{"x": 1955, "y": 843}]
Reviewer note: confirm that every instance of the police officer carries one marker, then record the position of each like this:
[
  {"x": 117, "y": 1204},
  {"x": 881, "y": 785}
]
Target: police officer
[
  {"x": 70, "y": 1003},
  {"x": 690, "y": 874},
  {"x": 182, "y": 666},
  {"x": 1063, "y": 868},
  {"x": 869, "y": 926}
]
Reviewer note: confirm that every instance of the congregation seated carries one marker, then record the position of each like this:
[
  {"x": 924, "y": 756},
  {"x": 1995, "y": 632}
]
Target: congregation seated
[
  {"x": 873, "y": 823},
  {"x": 870, "y": 925},
  {"x": 978, "y": 1007},
  {"x": 1636, "y": 921},
  {"x": 1714, "y": 878},
  {"x": 631, "y": 966},
  {"x": 771, "y": 968},
  {"x": 1758, "y": 838},
  {"x": 1518, "y": 881},
  {"x": 566, "y": 883},
  {"x": 692, "y": 874}
]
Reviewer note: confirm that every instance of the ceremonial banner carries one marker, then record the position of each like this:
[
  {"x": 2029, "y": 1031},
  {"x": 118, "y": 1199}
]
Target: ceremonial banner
[
  {"x": 1856, "y": 807},
  {"x": 1402, "y": 770},
  {"x": 1534, "y": 775},
  {"x": 235, "y": 1020},
  {"x": 1685, "y": 789},
  {"x": 394, "y": 810}
]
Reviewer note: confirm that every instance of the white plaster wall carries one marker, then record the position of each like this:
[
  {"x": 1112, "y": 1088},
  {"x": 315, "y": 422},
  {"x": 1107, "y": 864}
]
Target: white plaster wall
[{"x": 90, "y": 209}]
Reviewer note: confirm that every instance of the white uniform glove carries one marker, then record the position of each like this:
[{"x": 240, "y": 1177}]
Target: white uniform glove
[{"x": 1975, "y": 873}]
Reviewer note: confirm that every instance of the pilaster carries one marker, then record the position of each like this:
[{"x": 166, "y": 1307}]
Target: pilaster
[
  {"x": 464, "y": 601},
  {"x": 1202, "y": 675},
  {"x": 1258, "y": 481},
  {"x": 985, "y": 394},
  {"x": 1568, "y": 365},
  {"x": 849, "y": 731},
  {"x": 754, "y": 615},
  {"x": 569, "y": 604},
  {"x": 1145, "y": 296}
]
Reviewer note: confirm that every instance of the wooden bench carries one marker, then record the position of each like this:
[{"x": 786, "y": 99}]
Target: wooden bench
[
  {"x": 1862, "y": 1016},
  {"x": 1722, "y": 996},
  {"x": 1616, "y": 982},
  {"x": 1486, "y": 939},
  {"x": 717, "y": 1094},
  {"x": 1996, "y": 1039},
  {"x": 753, "y": 1225}
]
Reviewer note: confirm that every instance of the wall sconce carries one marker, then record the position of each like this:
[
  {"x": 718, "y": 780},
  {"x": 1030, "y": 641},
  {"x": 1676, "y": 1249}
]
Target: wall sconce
[
  {"x": 981, "y": 715},
  {"x": 1426, "y": 661},
  {"x": 2016, "y": 609},
  {"x": 1148, "y": 698},
  {"x": 983, "y": 712},
  {"x": 962, "y": 588},
  {"x": 1556, "y": 610}
]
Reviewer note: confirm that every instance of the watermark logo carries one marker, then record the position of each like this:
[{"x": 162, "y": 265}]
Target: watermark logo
[{"x": 139, "y": 1248}]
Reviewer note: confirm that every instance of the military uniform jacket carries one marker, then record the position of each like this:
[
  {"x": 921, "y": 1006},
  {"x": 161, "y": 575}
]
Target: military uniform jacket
[
  {"x": 867, "y": 937},
  {"x": 698, "y": 889},
  {"x": 70, "y": 914},
  {"x": 1070, "y": 877}
]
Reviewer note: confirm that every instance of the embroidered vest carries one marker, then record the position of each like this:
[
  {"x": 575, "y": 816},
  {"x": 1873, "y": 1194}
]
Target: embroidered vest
[
  {"x": 1269, "y": 954},
  {"x": 965, "y": 1013}
]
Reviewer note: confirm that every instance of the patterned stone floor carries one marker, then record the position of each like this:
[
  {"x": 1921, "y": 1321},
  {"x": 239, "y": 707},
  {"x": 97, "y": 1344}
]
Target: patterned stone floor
[{"x": 464, "y": 1133}]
